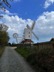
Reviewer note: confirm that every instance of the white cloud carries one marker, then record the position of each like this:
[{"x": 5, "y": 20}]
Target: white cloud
[
  {"x": 45, "y": 25},
  {"x": 17, "y": 0},
  {"x": 48, "y": 3},
  {"x": 15, "y": 24},
  {"x": 7, "y": 12}
]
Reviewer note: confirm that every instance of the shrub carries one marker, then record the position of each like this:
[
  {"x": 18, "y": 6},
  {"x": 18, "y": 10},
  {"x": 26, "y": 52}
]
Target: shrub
[
  {"x": 42, "y": 60},
  {"x": 4, "y": 38}
]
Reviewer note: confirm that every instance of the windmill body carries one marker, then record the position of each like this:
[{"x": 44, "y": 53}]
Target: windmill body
[{"x": 28, "y": 34}]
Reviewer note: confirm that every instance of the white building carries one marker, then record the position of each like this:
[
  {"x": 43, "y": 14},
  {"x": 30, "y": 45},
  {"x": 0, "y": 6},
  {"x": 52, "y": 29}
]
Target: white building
[
  {"x": 27, "y": 36},
  {"x": 27, "y": 33}
]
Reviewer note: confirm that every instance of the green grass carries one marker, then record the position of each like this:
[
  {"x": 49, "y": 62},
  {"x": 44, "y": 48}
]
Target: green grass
[
  {"x": 23, "y": 51},
  {"x": 1, "y": 51},
  {"x": 41, "y": 59}
]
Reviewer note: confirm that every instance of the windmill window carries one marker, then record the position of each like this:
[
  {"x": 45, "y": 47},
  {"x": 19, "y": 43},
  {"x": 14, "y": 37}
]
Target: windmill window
[
  {"x": 29, "y": 35},
  {"x": 29, "y": 32}
]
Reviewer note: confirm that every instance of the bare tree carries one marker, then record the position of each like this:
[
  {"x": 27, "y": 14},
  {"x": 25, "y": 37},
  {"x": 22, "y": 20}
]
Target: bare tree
[{"x": 4, "y": 3}]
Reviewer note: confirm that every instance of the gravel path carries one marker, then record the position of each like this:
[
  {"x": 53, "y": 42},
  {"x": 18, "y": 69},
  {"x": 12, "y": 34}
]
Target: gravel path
[{"x": 11, "y": 61}]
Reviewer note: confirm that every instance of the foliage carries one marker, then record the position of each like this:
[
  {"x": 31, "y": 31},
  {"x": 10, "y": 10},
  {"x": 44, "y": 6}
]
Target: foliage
[
  {"x": 4, "y": 38},
  {"x": 41, "y": 59}
]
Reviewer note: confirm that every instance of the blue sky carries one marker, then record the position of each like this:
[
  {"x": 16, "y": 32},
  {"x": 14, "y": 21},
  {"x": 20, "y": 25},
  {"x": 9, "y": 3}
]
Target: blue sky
[
  {"x": 23, "y": 12},
  {"x": 28, "y": 8}
]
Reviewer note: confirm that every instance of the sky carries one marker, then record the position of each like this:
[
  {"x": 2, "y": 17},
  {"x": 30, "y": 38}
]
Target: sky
[{"x": 23, "y": 12}]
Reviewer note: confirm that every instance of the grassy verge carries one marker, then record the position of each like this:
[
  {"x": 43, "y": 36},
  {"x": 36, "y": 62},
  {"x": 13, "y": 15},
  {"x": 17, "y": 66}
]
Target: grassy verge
[
  {"x": 41, "y": 59},
  {"x": 23, "y": 51},
  {"x": 1, "y": 51}
]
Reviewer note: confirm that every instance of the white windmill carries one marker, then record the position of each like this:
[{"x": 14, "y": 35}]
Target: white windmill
[{"x": 28, "y": 33}]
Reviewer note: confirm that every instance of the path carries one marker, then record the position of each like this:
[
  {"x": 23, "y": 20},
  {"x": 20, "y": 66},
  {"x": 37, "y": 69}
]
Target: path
[{"x": 11, "y": 61}]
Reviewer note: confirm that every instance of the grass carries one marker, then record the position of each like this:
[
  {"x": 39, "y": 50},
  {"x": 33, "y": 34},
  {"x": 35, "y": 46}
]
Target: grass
[
  {"x": 41, "y": 59},
  {"x": 1, "y": 51},
  {"x": 25, "y": 50}
]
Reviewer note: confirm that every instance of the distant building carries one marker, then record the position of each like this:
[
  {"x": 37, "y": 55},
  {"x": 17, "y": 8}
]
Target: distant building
[
  {"x": 49, "y": 44},
  {"x": 27, "y": 34},
  {"x": 27, "y": 41}
]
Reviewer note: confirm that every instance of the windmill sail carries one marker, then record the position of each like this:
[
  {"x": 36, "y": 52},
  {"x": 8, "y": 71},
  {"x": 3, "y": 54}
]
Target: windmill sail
[
  {"x": 35, "y": 35},
  {"x": 28, "y": 27},
  {"x": 33, "y": 25},
  {"x": 32, "y": 31}
]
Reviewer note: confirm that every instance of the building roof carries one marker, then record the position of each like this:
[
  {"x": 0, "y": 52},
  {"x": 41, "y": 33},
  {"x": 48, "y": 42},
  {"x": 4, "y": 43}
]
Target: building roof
[
  {"x": 27, "y": 40},
  {"x": 51, "y": 41}
]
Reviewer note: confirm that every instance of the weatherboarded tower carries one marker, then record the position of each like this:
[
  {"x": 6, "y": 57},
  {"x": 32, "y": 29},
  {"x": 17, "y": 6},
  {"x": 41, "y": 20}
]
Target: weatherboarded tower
[{"x": 28, "y": 34}]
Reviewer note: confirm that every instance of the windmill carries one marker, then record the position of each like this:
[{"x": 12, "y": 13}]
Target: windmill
[
  {"x": 15, "y": 35},
  {"x": 28, "y": 33}
]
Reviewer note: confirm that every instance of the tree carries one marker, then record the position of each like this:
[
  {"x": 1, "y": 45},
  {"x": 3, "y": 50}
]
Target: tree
[
  {"x": 4, "y": 38},
  {"x": 2, "y": 2},
  {"x": 3, "y": 5}
]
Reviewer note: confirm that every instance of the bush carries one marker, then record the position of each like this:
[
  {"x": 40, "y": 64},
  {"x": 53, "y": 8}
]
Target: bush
[
  {"x": 42, "y": 60},
  {"x": 4, "y": 38}
]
